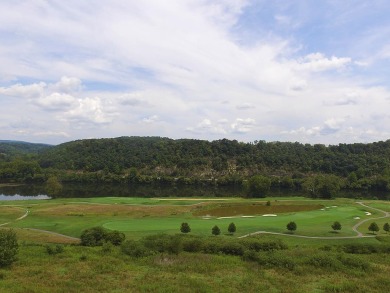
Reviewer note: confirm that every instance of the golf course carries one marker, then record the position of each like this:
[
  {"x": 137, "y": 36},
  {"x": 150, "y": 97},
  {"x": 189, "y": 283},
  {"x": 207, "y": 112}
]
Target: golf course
[{"x": 138, "y": 217}]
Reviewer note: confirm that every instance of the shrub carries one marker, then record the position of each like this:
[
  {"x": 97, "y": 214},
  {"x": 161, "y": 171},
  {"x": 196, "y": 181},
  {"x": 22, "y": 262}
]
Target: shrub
[
  {"x": 134, "y": 249},
  {"x": 8, "y": 247},
  {"x": 163, "y": 243},
  {"x": 257, "y": 245},
  {"x": 232, "y": 228},
  {"x": 107, "y": 247},
  {"x": 185, "y": 228},
  {"x": 324, "y": 261},
  {"x": 115, "y": 237},
  {"x": 192, "y": 245},
  {"x": 336, "y": 226},
  {"x": 232, "y": 248},
  {"x": 52, "y": 250},
  {"x": 361, "y": 248},
  {"x": 272, "y": 260},
  {"x": 292, "y": 226},
  {"x": 354, "y": 262},
  {"x": 96, "y": 236},
  {"x": 215, "y": 230}
]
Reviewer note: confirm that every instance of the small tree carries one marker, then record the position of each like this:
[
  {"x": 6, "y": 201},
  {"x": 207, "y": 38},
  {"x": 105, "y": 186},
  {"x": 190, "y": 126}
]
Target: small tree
[
  {"x": 232, "y": 228},
  {"x": 215, "y": 230},
  {"x": 53, "y": 185},
  {"x": 336, "y": 226},
  {"x": 373, "y": 227},
  {"x": 386, "y": 227},
  {"x": 292, "y": 226},
  {"x": 8, "y": 247},
  {"x": 185, "y": 228}
]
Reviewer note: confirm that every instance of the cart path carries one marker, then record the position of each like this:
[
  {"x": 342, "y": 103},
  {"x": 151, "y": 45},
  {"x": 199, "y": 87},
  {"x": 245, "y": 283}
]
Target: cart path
[
  {"x": 52, "y": 233},
  {"x": 354, "y": 228}
]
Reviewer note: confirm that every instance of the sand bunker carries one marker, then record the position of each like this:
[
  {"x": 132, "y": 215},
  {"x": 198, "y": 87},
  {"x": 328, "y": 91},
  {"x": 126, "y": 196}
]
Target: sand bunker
[
  {"x": 356, "y": 218},
  {"x": 247, "y": 216},
  {"x": 368, "y": 214},
  {"x": 270, "y": 215}
]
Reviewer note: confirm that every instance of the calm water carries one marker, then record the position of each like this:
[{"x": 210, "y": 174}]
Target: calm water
[{"x": 8, "y": 192}]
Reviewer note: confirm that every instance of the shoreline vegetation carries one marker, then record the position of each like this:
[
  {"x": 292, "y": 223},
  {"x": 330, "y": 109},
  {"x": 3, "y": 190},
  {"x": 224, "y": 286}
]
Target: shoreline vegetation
[{"x": 318, "y": 170}]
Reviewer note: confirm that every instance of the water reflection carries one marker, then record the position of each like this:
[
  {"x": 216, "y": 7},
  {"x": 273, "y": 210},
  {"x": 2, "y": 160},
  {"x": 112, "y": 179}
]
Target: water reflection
[
  {"x": 83, "y": 190},
  {"x": 22, "y": 197}
]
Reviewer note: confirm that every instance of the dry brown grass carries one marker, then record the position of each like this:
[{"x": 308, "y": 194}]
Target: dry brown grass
[
  {"x": 255, "y": 209},
  {"x": 8, "y": 213},
  {"x": 35, "y": 236},
  {"x": 109, "y": 210}
]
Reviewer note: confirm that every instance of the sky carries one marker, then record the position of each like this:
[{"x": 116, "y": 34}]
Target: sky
[{"x": 308, "y": 71}]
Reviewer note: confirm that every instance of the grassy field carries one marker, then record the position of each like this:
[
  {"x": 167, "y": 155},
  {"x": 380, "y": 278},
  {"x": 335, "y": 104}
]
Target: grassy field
[
  {"x": 308, "y": 265},
  {"x": 137, "y": 217}
]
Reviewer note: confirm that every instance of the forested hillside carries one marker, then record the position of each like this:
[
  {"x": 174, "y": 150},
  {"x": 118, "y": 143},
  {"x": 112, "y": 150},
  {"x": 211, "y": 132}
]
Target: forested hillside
[
  {"x": 317, "y": 168},
  {"x": 220, "y": 157},
  {"x": 10, "y": 149}
]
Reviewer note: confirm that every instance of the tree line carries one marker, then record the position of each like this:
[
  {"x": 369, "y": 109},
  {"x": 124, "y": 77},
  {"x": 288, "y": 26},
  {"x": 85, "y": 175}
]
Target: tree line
[{"x": 320, "y": 170}]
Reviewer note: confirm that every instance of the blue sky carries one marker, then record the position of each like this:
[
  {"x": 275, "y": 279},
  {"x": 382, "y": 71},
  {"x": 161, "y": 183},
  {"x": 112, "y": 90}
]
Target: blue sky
[{"x": 304, "y": 70}]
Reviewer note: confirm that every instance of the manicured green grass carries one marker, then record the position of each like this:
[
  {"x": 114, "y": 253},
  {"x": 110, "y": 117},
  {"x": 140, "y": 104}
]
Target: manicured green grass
[{"x": 137, "y": 217}]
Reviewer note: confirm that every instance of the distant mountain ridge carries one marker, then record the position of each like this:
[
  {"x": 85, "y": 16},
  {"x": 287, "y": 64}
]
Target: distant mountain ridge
[{"x": 11, "y": 148}]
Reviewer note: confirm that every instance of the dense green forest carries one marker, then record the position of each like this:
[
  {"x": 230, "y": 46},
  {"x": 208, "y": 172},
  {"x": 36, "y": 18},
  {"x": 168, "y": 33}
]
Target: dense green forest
[
  {"x": 10, "y": 149},
  {"x": 188, "y": 161}
]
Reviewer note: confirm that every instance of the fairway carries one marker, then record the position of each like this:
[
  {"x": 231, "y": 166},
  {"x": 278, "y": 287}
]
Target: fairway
[{"x": 137, "y": 217}]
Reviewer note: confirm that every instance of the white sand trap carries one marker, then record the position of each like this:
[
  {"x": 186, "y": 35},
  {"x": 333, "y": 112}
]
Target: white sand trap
[
  {"x": 270, "y": 215},
  {"x": 334, "y": 206},
  {"x": 322, "y": 209},
  {"x": 368, "y": 214},
  {"x": 224, "y": 218},
  {"x": 247, "y": 216},
  {"x": 356, "y": 218}
]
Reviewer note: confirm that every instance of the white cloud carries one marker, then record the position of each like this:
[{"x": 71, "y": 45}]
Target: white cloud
[
  {"x": 245, "y": 106},
  {"x": 317, "y": 62},
  {"x": 67, "y": 85},
  {"x": 206, "y": 126},
  {"x": 150, "y": 119},
  {"x": 56, "y": 102},
  {"x": 243, "y": 125},
  {"x": 24, "y": 91},
  {"x": 89, "y": 110}
]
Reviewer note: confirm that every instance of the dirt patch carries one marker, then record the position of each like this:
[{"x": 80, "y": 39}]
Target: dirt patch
[{"x": 238, "y": 210}]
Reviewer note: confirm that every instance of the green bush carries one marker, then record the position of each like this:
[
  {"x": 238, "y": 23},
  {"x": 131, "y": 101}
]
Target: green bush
[
  {"x": 8, "y": 247},
  {"x": 163, "y": 243},
  {"x": 261, "y": 245},
  {"x": 354, "y": 262},
  {"x": 115, "y": 237},
  {"x": 52, "y": 250},
  {"x": 192, "y": 245},
  {"x": 361, "y": 248},
  {"x": 232, "y": 248},
  {"x": 276, "y": 260},
  {"x": 134, "y": 249},
  {"x": 324, "y": 261},
  {"x": 96, "y": 236}
]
